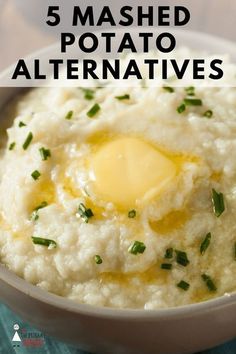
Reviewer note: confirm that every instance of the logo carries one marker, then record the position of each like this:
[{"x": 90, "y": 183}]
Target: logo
[{"x": 25, "y": 338}]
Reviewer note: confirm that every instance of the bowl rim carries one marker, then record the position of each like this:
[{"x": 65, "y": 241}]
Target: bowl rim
[
  {"x": 33, "y": 291},
  {"x": 188, "y": 310}
]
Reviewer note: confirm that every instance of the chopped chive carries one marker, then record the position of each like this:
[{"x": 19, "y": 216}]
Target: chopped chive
[
  {"x": 190, "y": 90},
  {"x": 21, "y": 124},
  {"x": 45, "y": 153},
  {"x": 169, "y": 253},
  {"x": 28, "y": 141},
  {"x": 88, "y": 94},
  {"x": 69, "y": 115},
  {"x": 35, "y": 215},
  {"x": 93, "y": 110},
  {"x": 12, "y": 146},
  {"x": 124, "y": 97},
  {"x": 132, "y": 214},
  {"x": 84, "y": 213},
  {"x": 218, "y": 203},
  {"x": 208, "y": 114},
  {"x": 205, "y": 243},
  {"x": 192, "y": 102},
  {"x": 182, "y": 258},
  {"x": 35, "y": 175},
  {"x": 137, "y": 247},
  {"x": 98, "y": 259},
  {"x": 168, "y": 89},
  {"x": 181, "y": 108},
  {"x": 166, "y": 266},
  {"x": 209, "y": 282},
  {"x": 44, "y": 242},
  {"x": 183, "y": 285}
]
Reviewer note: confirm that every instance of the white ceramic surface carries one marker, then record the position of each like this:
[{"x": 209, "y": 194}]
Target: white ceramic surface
[{"x": 180, "y": 330}]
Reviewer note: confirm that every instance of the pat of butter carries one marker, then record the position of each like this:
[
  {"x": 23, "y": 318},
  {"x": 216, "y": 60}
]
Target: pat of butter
[{"x": 128, "y": 170}]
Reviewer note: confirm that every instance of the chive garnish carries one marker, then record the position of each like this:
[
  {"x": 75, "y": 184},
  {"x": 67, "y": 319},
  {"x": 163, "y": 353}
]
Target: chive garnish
[
  {"x": 84, "y": 213},
  {"x": 168, "y": 89},
  {"x": 208, "y": 114},
  {"x": 169, "y": 253},
  {"x": 98, "y": 259},
  {"x": 137, "y": 247},
  {"x": 12, "y": 146},
  {"x": 132, "y": 214},
  {"x": 21, "y": 124},
  {"x": 28, "y": 141},
  {"x": 181, "y": 108},
  {"x": 182, "y": 258},
  {"x": 88, "y": 94},
  {"x": 45, "y": 153},
  {"x": 183, "y": 285},
  {"x": 209, "y": 282},
  {"x": 35, "y": 215},
  {"x": 69, "y": 115},
  {"x": 192, "y": 102},
  {"x": 44, "y": 242},
  {"x": 124, "y": 97},
  {"x": 218, "y": 203},
  {"x": 190, "y": 90},
  {"x": 93, "y": 110},
  {"x": 35, "y": 175},
  {"x": 205, "y": 243},
  {"x": 166, "y": 266}
]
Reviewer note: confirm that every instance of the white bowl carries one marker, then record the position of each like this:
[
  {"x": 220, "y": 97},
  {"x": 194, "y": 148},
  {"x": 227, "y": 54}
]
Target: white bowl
[{"x": 186, "y": 329}]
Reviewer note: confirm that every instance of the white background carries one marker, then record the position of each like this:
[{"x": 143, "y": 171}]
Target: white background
[{"x": 19, "y": 35}]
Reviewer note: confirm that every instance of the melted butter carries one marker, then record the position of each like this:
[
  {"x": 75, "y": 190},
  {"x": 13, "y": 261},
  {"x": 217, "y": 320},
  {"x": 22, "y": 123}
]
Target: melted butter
[
  {"x": 43, "y": 191},
  {"x": 172, "y": 221},
  {"x": 153, "y": 275},
  {"x": 216, "y": 176},
  {"x": 127, "y": 169}
]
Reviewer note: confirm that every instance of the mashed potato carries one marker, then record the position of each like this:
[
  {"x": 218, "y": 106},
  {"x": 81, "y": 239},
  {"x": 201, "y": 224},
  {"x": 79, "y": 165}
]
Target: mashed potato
[{"x": 122, "y": 197}]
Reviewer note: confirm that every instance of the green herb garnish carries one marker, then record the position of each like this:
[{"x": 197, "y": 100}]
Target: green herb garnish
[
  {"x": 218, "y": 203},
  {"x": 12, "y": 146},
  {"x": 182, "y": 258},
  {"x": 205, "y": 243},
  {"x": 44, "y": 242},
  {"x": 190, "y": 90},
  {"x": 35, "y": 175},
  {"x": 45, "y": 153},
  {"x": 137, "y": 247},
  {"x": 168, "y": 89},
  {"x": 69, "y": 115},
  {"x": 28, "y": 141},
  {"x": 166, "y": 266},
  {"x": 208, "y": 114},
  {"x": 21, "y": 124},
  {"x": 98, "y": 259},
  {"x": 209, "y": 282},
  {"x": 181, "y": 108},
  {"x": 183, "y": 285},
  {"x": 192, "y": 102},
  {"x": 132, "y": 214},
  {"x": 35, "y": 215},
  {"x": 84, "y": 213},
  {"x": 124, "y": 97},
  {"x": 169, "y": 253},
  {"x": 88, "y": 94},
  {"x": 93, "y": 110}
]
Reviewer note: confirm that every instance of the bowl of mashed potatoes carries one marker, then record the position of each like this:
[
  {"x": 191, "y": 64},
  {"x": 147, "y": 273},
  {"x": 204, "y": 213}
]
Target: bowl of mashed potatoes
[{"x": 117, "y": 214}]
